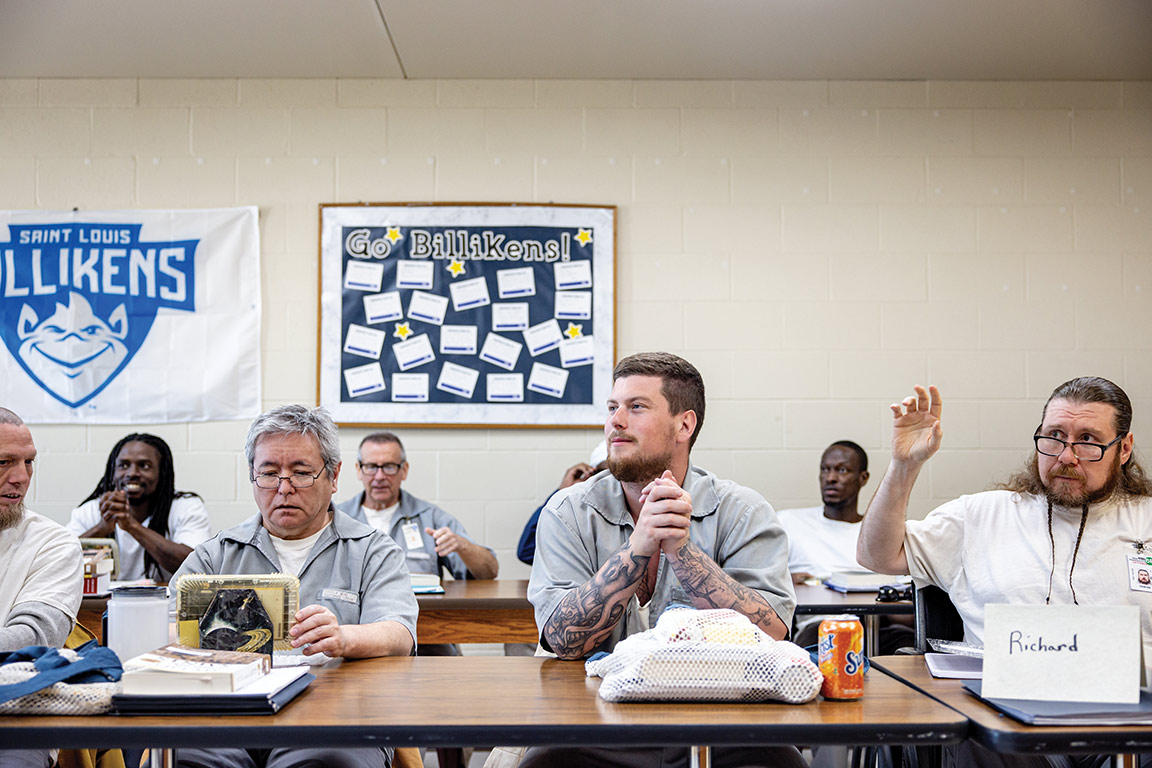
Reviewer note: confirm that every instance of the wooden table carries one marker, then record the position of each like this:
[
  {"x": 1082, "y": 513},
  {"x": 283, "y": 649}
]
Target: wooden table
[
  {"x": 478, "y": 611},
  {"x": 1001, "y": 733},
  {"x": 817, "y": 600},
  {"x": 485, "y": 700},
  {"x": 473, "y": 611}
]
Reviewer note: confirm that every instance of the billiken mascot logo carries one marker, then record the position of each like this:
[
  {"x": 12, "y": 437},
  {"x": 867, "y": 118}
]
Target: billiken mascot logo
[{"x": 78, "y": 300}]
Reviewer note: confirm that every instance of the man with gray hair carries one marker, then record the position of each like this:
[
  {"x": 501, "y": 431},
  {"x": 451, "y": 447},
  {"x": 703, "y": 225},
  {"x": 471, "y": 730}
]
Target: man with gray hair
[
  {"x": 357, "y": 595},
  {"x": 432, "y": 539},
  {"x": 41, "y": 566}
]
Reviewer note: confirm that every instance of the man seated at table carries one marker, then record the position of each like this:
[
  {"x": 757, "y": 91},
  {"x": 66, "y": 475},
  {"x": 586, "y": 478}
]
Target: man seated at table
[
  {"x": 41, "y": 566},
  {"x": 1081, "y": 500},
  {"x": 432, "y": 540},
  {"x": 822, "y": 540},
  {"x": 613, "y": 552},
  {"x": 136, "y": 502},
  {"x": 359, "y": 600}
]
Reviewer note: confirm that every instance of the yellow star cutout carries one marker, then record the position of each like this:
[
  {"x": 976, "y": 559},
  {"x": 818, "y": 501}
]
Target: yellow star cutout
[
  {"x": 574, "y": 330},
  {"x": 456, "y": 267},
  {"x": 584, "y": 236},
  {"x": 402, "y": 332},
  {"x": 393, "y": 234}
]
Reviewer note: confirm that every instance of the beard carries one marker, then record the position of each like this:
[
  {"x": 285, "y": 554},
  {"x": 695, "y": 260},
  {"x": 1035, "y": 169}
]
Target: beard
[
  {"x": 11, "y": 515},
  {"x": 640, "y": 468},
  {"x": 1068, "y": 499}
]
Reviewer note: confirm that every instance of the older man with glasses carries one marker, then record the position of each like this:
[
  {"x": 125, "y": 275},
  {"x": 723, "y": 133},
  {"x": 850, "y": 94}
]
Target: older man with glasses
[
  {"x": 1072, "y": 527},
  {"x": 433, "y": 541},
  {"x": 359, "y": 600}
]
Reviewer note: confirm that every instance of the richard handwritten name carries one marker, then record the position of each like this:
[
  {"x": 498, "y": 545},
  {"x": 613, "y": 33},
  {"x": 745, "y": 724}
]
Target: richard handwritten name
[{"x": 1018, "y": 642}]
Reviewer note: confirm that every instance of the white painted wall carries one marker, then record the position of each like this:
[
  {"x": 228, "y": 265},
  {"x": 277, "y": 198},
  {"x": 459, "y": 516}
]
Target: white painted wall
[{"x": 814, "y": 247}]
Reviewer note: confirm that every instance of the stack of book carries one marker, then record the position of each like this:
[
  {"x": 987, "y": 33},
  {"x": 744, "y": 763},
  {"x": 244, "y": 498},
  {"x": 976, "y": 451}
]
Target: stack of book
[
  {"x": 177, "y": 680},
  {"x": 98, "y": 564}
]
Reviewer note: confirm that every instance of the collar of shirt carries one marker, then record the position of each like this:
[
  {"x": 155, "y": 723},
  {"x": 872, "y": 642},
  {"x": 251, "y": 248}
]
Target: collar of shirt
[{"x": 605, "y": 494}]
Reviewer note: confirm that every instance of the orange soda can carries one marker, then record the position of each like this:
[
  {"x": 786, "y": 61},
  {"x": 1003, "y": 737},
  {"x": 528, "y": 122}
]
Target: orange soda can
[{"x": 842, "y": 657}]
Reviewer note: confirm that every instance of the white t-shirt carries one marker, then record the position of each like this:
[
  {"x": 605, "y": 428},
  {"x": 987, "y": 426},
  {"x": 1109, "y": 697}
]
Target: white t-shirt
[
  {"x": 993, "y": 547},
  {"x": 187, "y": 524},
  {"x": 380, "y": 519},
  {"x": 818, "y": 545},
  {"x": 292, "y": 553},
  {"x": 40, "y": 561}
]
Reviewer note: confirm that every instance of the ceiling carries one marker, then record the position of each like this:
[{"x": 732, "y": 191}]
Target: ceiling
[{"x": 582, "y": 39}]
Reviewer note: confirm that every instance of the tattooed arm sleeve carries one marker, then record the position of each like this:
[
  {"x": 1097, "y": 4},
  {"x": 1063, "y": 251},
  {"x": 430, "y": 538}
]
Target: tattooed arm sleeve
[
  {"x": 709, "y": 587},
  {"x": 587, "y": 614}
]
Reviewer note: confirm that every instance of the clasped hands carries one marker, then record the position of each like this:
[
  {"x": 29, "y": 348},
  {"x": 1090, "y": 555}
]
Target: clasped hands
[
  {"x": 664, "y": 519},
  {"x": 116, "y": 511}
]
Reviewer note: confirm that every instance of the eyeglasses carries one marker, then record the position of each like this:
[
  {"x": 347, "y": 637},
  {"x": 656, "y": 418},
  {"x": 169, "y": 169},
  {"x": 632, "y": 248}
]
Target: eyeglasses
[
  {"x": 1054, "y": 446},
  {"x": 371, "y": 469},
  {"x": 890, "y": 594},
  {"x": 271, "y": 481}
]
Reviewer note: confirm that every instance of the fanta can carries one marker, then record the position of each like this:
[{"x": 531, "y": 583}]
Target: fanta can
[{"x": 842, "y": 657}]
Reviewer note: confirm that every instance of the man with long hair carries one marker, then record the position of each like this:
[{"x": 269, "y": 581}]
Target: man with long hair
[
  {"x": 1072, "y": 527},
  {"x": 136, "y": 502},
  {"x": 1029, "y": 534}
]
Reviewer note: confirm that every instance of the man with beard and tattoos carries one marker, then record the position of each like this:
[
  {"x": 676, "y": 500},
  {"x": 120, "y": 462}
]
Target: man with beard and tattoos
[
  {"x": 41, "y": 566},
  {"x": 1060, "y": 531},
  {"x": 614, "y": 551}
]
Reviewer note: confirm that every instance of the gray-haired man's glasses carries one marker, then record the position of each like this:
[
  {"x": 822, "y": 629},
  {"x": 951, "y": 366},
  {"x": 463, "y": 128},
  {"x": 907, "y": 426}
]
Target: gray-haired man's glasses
[
  {"x": 1054, "y": 446},
  {"x": 370, "y": 469},
  {"x": 270, "y": 480}
]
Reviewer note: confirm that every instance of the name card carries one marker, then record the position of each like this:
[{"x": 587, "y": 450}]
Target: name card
[{"x": 1062, "y": 653}]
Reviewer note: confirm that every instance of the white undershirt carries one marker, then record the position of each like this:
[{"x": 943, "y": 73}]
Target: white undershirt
[
  {"x": 293, "y": 552},
  {"x": 380, "y": 519}
]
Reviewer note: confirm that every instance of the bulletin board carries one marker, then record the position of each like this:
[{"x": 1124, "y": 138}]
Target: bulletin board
[{"x": 459, "y": 314}]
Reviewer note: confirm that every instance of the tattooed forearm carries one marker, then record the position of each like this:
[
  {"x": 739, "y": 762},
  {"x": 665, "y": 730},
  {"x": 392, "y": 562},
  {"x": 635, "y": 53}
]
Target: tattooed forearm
[
  {"x": 710, "y": 587},
  {"x": 588, "y": 613}
]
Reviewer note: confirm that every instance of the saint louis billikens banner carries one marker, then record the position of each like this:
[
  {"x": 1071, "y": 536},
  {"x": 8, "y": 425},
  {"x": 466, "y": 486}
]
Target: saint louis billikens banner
[
  {"x": 130, "y": 316},
  {"x": 467, "y": 314}
]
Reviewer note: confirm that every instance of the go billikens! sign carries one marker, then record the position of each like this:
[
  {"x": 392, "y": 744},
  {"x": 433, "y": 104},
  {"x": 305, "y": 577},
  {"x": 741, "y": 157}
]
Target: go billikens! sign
[
  {"x": 131, "y": 316},
  {"x": 466, "y": 314}
]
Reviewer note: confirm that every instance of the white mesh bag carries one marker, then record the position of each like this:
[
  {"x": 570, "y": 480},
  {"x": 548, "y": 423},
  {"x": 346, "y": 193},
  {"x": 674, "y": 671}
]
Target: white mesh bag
[{"x": 709, "y": 655}]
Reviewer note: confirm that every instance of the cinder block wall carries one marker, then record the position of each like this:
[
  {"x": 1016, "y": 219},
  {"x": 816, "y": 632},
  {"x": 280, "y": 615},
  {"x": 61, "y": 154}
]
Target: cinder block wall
[{"x": 814, "y": 247}]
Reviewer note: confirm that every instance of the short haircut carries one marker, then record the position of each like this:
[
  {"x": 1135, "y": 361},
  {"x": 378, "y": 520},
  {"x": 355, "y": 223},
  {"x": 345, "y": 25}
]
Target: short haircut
[
  {"x": 297, "y": 420},
  {"x": 861, "y": 456},
  {"x": 681, "y": 384},
  {"x": 10, "y": 417},
  {"x": 381, "y": 437}
]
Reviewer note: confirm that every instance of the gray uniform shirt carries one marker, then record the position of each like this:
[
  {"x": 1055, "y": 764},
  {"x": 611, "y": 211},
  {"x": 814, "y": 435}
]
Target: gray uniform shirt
[
  {"x": 582, "y": 526},
  {"x": 353, "y": 570},
  {"x": 423, "y": 515}
]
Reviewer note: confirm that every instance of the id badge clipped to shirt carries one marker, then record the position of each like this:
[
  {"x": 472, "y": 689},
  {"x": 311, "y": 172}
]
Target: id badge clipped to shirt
[
  {"x": 412, "y": 538},
  {"x": 1140, "y": 572}
]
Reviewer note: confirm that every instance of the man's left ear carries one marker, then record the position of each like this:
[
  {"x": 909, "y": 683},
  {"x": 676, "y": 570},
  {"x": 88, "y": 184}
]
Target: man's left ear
[
  {"x": 1126, "y": 448},
  {"x": 336, "y": 475},
  {"x": 687, "y": 425},
  {"x": 864, "y": 478}
]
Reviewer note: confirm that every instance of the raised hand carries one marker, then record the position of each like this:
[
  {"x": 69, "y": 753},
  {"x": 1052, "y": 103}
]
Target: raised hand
[{"x": 916, "y": 428}]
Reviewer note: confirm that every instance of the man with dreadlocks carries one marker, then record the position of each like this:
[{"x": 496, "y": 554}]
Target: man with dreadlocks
[
  {"x": 136, "y": 502},
  {"x": 1059, "y": 531}
]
